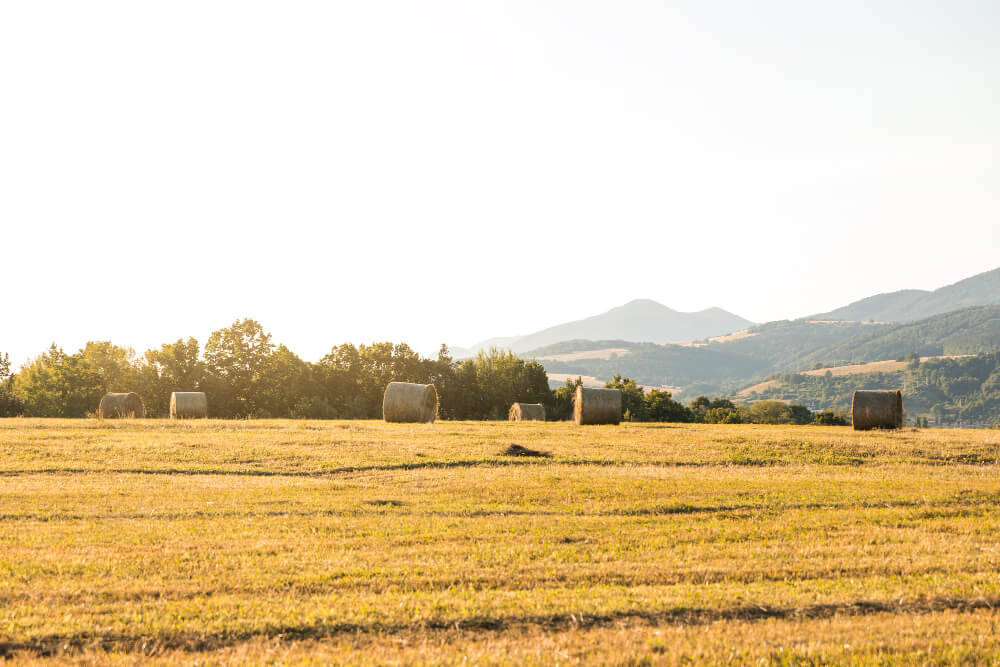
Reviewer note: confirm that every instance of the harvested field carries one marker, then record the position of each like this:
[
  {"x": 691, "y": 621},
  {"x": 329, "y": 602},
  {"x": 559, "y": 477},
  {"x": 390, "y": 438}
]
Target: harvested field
[
  {"x": 727, "y": 338},
  {"x": 605, "y": 354},
  {"x": 889, "y": 366},
  {"x": 257, "y": 541},
  {"x": 591, "y": 381},
  {"x": 876, "y": 366}
]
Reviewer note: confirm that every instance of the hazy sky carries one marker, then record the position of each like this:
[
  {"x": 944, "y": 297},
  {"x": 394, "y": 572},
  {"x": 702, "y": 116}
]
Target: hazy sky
[{"x": 449, "y": 171}]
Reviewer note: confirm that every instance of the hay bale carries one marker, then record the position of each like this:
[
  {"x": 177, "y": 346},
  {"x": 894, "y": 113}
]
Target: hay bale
[
  {"x": 409, "y": 402},
  {"x": 526, "y": 412},
  {"x": 877, "y": 409},
  {"x": 118, "y": 405},
  {"x": 188, "y": 405},
  {"x": 597, "y": 406}
]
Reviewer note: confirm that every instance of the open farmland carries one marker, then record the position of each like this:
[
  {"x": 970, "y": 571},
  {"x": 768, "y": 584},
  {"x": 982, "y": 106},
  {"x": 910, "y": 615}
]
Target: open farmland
[{"x": 236, "y": 541}]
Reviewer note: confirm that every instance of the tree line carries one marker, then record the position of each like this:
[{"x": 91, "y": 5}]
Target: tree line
[
  {"x": 246, "y": 374},
  {"x": 659, "y": 406}
]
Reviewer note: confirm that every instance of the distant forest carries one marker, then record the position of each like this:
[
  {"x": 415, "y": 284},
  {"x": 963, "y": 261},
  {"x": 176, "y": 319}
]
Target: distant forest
[
  {"x": 961, "y": 391},
  {"x": 246, "y": 374}
]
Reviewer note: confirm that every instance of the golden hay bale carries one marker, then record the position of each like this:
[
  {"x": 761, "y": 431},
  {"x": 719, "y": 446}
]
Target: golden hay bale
[
  {"x": 409, "y": 402},
  {"x": 188, "y": 405},
  {"x": 526, "y": 412},
  {"x": 117, "y": 405},
  {"x": 872, "y": 408},
  {"x": 597, "y": 406}
]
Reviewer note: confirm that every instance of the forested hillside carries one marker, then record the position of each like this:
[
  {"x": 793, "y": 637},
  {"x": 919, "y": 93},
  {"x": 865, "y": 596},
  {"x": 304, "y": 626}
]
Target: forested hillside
[
  {"x": 951, "y": 391},
  {"x": 727, "y": 365},
  {"x": 910, "y": 305},
  {"x": 708, "y": 366},
  {"x": 652, "y": 364},
  {"x": 969, "y": 331}
]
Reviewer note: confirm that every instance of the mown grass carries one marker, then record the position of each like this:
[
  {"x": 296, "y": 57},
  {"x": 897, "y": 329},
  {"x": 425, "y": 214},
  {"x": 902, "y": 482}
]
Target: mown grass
[{"x": 226, "y": 541}]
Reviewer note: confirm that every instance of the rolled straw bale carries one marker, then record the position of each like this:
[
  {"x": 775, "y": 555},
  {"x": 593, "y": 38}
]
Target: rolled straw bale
[
  {"x": 524, "y": 412},
  {"x": 124, "y": 404},
  {"x": 872, "y": 408},
  {"x": 409, "y": 402},
  {"x": 597, "y": 406},
  {"x": 188, "y": 405}
]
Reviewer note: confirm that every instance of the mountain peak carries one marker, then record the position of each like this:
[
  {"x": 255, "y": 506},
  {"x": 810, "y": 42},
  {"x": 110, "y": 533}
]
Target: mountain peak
[
  {"x": 642, "y": 305},
  {"x": 639, "y": 321}
]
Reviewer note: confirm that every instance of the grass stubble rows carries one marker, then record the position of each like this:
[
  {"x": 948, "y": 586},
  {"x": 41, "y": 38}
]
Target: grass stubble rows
[{"x": 286, "y": 541}]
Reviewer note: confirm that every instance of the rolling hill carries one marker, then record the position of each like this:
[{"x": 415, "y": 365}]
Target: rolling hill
[
  {"x": 912, "y": 305},
  {"x": 969, "y": 331},
  {"x": 730, "y": 364},
  {"x": 713, "y": 351}
]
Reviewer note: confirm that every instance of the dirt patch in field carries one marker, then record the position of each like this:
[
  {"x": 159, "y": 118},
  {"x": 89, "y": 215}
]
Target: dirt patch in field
[{"x": 518, "y": 450}]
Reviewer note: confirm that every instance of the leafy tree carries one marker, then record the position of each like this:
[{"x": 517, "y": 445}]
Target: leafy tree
[
  {"x": 339, "y": 374},
  {"x": 661, "y": 407},
  {"x": 173, "y": 367},
  {"x": 561, "y": 403},
  {"x": 726, "y": 416},
  {"x": 10, "y": 404},
  {"x": 109, "y": 367},
  {"x": 831, "y": 418},
  {"x": 776, "y": 412},
  {"x": 462, "y": 397},
  {"x": 716, "y": 411},
  {"x": 284, "y": 382},
  {"x": 633, "y": 403},
  {"x": 56, "y": 384},
  {"x": 235, "y": 358},
  {"x": 486, "y": 386}
]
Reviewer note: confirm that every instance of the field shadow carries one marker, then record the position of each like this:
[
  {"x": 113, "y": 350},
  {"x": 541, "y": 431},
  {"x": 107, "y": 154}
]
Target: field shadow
[{"x": 53, "y": 645}]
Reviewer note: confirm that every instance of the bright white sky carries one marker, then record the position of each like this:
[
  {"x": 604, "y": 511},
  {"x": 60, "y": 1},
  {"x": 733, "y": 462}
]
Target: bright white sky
[{"x": 450, "y": 171}]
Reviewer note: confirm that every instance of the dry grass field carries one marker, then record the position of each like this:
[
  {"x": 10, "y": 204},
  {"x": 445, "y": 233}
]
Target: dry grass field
[{"x": 284, "y": 541}]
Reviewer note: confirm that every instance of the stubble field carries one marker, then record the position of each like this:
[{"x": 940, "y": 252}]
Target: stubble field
[{"x": 256, "y": 541}]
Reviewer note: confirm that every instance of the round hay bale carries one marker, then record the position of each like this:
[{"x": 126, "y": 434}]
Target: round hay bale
[
  {"x": 118, "y": 405},
  {"x": 188, "y": 405},
  {"x": 597, "y": 406},
  {"x": 871, "y": 408},
  {"x": 526, "y": 412},
  {"x": 409, "y": 402}
]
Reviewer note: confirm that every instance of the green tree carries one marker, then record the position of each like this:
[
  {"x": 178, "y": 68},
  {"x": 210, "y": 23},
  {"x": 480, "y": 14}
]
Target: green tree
[
  {"x": 633, "y": 403},
  {"x": 105, "y": 367},
  {"x": 285, "y": 381},
  {"x": 486, "y": 386},
  {"x": 831, "y": 418},
  {"x": 561, "y": 403},
  {"x": 724, "y": 415},
  {"x": 661, "y": 407},
  {"x": 10, "y": 404},
  {"x": 173, "y": 367},
  {"x": 234, "y": 359},
  {"x": 339, "y": 374},
  {"x": 56, "y": 384}
]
